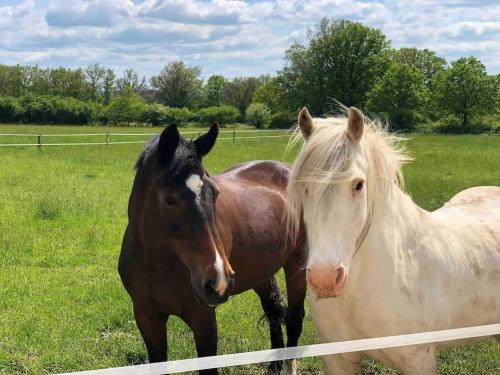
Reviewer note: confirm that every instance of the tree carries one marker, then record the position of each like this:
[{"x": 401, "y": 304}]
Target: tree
[
  {"x": 239, "y": 92},
  {"x": 178, "y": 85},
  {"x": 130, "y": 79},
  {"x": 95, "y": 74},
  {"x": 465, "y": 89},
  {"x": 214, "y": 90},
  {"x": 258, "y": 115},
  {"x": 126, "y": 108},
  {"x": 423, "y": 59},
  {"x": 271, "y": 94},
  {"x": 342, "y": 61},
  {"x": 108, "y": 86},
  {"x": 400, "y": 96}
]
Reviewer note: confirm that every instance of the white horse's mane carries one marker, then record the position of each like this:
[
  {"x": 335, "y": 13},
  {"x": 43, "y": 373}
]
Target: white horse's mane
[{"x": 325, "y": 159}]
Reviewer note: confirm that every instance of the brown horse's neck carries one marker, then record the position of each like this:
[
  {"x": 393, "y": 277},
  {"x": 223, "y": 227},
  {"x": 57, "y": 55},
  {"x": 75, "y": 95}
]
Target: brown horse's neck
[{"x": 145, "y": 221}]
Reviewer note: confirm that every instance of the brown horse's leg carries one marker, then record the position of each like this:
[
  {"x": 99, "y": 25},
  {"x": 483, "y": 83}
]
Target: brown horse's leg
[
  {"x": 154, "y": 332},
  {"x": 270, "y": 299},
  {"x": 296, "y": 288},
  {"x": 203, "y": 323}
]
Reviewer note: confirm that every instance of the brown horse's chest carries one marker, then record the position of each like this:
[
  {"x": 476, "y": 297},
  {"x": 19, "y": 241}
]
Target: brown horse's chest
[{"x": 164, "y": 286}]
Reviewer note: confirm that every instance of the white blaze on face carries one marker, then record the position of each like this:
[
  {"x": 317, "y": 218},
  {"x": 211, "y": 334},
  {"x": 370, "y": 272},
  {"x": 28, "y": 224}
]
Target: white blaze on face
[
  {"x": 219, "y": 268},
  {"x": 194, "y": 183}
]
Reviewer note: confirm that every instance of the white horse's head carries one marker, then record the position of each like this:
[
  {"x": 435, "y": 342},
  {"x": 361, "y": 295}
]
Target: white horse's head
[{"x": 332, "y": 186}]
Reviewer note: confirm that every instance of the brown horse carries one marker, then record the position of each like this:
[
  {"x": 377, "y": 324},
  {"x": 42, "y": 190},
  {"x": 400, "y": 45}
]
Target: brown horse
[{"x": 193, "y": 240}]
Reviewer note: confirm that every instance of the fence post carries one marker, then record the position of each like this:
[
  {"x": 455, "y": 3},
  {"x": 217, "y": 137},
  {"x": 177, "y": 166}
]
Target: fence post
[
  {"x": 107, "y": 138},
  {"x": 199, "y": 134},
  {"x": 260, "y": 135},
  {"x": 39, "y": 140},
  {"x": 234, "y": 135}
]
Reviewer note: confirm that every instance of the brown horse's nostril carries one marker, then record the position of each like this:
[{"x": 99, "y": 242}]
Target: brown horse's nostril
[{"x": 210, "y": 286}]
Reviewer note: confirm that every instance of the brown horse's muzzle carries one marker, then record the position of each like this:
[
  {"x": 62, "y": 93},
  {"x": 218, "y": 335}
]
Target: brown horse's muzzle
[
  {"x": 214, "y": 289},
  {"x": 213, "y": 286}
]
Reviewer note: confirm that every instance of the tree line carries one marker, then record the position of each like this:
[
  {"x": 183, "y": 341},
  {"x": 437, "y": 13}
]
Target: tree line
[{"x": 341, "y": 61}]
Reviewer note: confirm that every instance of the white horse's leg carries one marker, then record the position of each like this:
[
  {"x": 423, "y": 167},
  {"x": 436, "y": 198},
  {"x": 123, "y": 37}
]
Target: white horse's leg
[
  {"x": 342, "y": 364},
  {"x": 289, "y": 367},
  {"x": 420, "y": 362}
]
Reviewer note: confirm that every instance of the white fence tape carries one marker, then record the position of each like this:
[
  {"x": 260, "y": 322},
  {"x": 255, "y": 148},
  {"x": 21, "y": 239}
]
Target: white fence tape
[
  {"x": 263, "y": 134},
  {"x": 238, "y": 359}
]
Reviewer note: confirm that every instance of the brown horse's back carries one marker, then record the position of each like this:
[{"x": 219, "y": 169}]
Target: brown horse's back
[{"x": 267, "y": 173}]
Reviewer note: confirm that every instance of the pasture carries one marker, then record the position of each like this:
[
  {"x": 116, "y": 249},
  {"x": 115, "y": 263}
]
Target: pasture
[{"x": 62, "y": 215}]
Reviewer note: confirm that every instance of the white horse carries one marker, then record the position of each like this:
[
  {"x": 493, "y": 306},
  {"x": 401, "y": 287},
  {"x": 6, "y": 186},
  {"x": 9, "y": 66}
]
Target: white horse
[{"x": 378, "y": 264}]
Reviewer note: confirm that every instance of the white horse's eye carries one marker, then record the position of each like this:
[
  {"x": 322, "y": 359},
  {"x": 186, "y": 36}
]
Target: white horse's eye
[{"x": 358, "y": 185}]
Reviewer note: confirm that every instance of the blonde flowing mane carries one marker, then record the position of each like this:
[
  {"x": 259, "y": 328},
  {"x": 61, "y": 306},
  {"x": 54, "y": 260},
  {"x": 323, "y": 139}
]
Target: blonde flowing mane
[{"x": 326, "y": 157}]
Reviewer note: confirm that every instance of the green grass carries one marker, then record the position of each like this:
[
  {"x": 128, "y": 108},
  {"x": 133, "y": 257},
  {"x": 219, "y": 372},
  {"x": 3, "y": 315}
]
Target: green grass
[{"x": 62, "y": 215}]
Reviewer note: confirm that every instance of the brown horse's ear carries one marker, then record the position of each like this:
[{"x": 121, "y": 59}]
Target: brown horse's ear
[
  {"x": 306, "y": 123},
  {"x": 169, "y": 140},
  {"x": 355, "y": 124},
  {"x": 205, "y": 143}
]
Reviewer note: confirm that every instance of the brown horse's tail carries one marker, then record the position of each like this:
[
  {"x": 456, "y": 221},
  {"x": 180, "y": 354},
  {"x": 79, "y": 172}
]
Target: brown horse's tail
[{"x": 277, "y": 311}]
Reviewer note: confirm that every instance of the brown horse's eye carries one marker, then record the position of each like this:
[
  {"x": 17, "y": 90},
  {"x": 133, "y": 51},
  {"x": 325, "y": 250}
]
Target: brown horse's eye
[{"x": 170, "y": 201}]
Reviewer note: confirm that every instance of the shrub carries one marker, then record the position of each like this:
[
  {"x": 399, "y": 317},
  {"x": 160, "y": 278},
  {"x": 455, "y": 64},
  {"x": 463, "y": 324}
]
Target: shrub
[
  {"x": 127, "y": 108},
  {"x": 155, "y": 114},
  {"x": 10, "y": 109},
  {"x": 179, "y": 116},
  {"x": 452, "y": 124},
  {"x": 258, "y": 115},
  {"x": 283, "y": 120},
  {"x": 71, "y": 111},
  {"x": 222, "y": 115}
]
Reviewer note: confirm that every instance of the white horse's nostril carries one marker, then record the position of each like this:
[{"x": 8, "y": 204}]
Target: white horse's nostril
[{"x": 326, "y": 281}]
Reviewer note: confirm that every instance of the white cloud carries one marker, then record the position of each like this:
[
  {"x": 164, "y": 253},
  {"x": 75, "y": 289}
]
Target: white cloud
[
  {"x": 232, "y": 37},
  {"x": 216, "y": 12}
]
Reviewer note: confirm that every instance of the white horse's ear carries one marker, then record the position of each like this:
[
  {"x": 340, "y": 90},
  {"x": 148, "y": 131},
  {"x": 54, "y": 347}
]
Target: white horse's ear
[
  {"x": 306, "y": 123},
  {"x": 355, "y": 124}
]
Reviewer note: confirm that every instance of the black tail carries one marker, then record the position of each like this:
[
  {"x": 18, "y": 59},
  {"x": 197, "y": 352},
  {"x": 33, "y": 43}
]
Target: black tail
[{"x": 278, "y": 311}]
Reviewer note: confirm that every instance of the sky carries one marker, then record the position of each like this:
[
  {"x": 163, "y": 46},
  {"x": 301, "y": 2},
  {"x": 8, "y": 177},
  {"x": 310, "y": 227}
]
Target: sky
[{"x": 229, "y": 37}]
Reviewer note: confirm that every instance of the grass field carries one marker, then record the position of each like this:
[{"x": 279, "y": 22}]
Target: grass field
[{"x": 62, "y": 215}]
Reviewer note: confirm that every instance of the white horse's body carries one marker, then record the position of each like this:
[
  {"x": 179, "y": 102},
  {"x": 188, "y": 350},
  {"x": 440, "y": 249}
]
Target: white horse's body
[
  {"x": 442, "y": 273},
  {"x": 414, "y": 270}
]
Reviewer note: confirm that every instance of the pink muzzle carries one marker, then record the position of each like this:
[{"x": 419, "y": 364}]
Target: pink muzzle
[{"x": 326, "y": 281}]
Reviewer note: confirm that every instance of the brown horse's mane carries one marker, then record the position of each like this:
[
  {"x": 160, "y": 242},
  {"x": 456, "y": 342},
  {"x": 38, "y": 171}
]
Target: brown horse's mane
[{"x": 184, "y": 160}]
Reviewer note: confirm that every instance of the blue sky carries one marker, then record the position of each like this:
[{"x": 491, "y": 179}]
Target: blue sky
[{"x": 230, "y": 37}]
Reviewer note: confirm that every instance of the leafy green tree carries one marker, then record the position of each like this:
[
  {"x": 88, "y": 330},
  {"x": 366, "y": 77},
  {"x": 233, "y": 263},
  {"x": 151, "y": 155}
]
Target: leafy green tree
[
  {"x": 239, "y": 92},
  {"x": 130, "y": 79},
  {"x": 423, "y": 59},
  {"x": 258, "y": 115},
  {"x": 271, "y": 94},
  {"x": 108, "y": 86},
  {"x": 11, "y": 80},
  {"x": 67, "y": 82},
  {"x": 342, "y": 61},
  {"x": 222, "y": 115},
  {"x": 400, "y": 96},
  {"x": 95, "y": 74},
  {"x": 126, "y": 108},
  {"x": 465, "y": 89},
  {"x": 178, "y": 85},
  {"x": 214, "y": 90}
]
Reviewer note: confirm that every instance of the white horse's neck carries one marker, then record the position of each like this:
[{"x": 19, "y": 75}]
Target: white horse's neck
[{"x": 396, "y": 232}]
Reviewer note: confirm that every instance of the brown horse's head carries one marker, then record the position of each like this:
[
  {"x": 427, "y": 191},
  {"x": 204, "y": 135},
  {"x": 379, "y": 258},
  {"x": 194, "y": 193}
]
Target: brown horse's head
[{"x": 185, "y": 197}]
